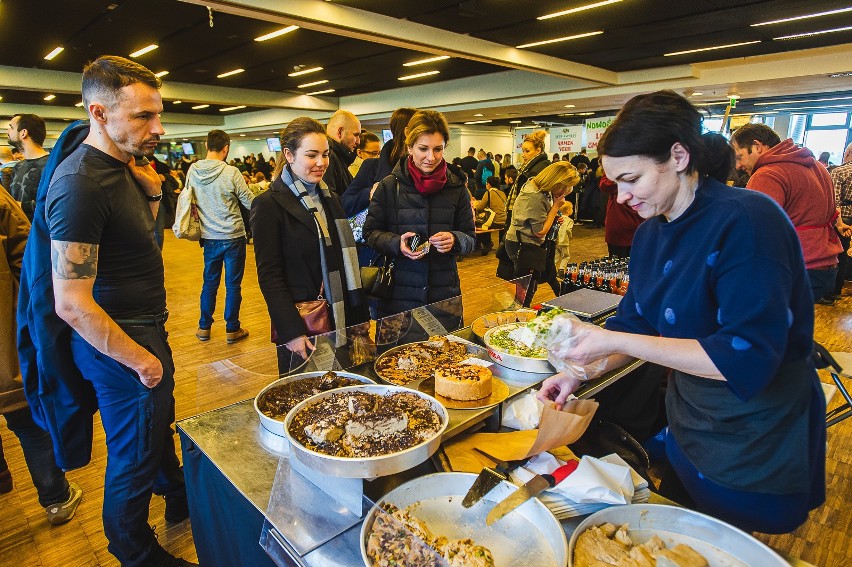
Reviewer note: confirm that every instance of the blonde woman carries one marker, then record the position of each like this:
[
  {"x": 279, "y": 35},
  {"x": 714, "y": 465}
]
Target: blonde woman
[
  {"x": 535, "y": 212},
  {"x": 534, "y": 161}
]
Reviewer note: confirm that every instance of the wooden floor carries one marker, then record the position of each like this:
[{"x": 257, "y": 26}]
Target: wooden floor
[{"x": 27, "y": 540}]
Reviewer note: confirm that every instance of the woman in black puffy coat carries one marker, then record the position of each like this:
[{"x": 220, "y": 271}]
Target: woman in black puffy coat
[{"x": 427, "y": 197}]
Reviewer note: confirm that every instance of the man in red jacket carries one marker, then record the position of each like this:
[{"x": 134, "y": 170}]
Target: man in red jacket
[{"x": 793, "y": 178}]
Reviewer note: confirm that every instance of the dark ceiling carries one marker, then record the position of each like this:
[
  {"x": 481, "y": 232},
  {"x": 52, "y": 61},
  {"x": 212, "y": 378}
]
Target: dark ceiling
[{"x": 637, "y": 34}]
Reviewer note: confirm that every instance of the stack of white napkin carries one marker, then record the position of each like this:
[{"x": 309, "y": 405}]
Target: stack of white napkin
[{"x": 596, "y": 484}]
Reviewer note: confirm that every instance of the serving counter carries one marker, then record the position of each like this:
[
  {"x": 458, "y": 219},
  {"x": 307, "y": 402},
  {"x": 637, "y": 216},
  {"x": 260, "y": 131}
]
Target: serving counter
[{"x": 231, "y": 464}]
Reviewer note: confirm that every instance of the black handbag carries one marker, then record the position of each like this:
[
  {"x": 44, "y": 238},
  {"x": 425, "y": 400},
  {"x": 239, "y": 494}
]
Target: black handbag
[
  {"x": 532, "y": 258},
  {"x": 383, "y": 285},
  {"x": 505, "y": 266}
]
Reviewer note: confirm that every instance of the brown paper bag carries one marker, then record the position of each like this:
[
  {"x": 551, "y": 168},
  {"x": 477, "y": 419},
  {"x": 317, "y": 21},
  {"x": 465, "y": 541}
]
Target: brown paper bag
[{"x": 556, "y": 429}]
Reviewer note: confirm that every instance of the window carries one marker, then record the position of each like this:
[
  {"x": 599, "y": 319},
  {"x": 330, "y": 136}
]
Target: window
[{"x": 832, "y": 119}]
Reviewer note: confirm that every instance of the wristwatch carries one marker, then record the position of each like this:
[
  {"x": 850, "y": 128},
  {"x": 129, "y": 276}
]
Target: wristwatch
[{"x": 155, "y": 198}]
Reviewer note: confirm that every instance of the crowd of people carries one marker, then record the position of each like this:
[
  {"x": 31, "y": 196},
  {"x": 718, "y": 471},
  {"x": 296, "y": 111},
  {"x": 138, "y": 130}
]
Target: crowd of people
[{"x": 92, "y": 307}]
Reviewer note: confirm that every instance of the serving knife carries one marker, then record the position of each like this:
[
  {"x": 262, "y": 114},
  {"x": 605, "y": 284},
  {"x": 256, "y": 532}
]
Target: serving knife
[
  {"x": 535, "y": 485},
  {"x": 489, "y": 478}
]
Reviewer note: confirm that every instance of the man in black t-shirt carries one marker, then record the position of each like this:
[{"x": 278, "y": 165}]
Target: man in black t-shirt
[
  {"x": 468, "y": 165},
  {"x": 108, "y": 286}
]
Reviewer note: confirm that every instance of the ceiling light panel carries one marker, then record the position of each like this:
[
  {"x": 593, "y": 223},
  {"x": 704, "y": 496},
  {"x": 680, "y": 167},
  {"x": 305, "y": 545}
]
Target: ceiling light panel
[
  {"x": 230, "y": 108},
  {"x": 478, "y": 122},
  {"x": 79, "y": 104},
  {"x": 315, "y": 83},
  {"x": 777, "y": 102},
  {"x": 277, "y": 33},
  {"x": 418, "y": 75},
  {"x": 304, "y": 72},
  {"x": 806, "y": 16},
  {"x": 813, "y": 33},
  {"x": 161, "y": 74},
  {"x": 558, "y": 39},
  {"x": 230, "y": 73},
  {"x": 200, "y": 106},
  {"x": 424, "y": 61},
  {"x": 326, "y": 91},
  {"x": 578, "y": 9},
  {"x": 56, "y": 51},
  {"x": 144, "y": 50},
  {"x": 50, "y": 97},
  {"x": 727, "y": 46}
]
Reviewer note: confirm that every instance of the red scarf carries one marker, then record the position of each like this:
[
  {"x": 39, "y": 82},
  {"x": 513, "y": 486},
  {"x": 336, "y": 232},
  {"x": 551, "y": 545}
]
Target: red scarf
[{"x": 426, "y": 184}]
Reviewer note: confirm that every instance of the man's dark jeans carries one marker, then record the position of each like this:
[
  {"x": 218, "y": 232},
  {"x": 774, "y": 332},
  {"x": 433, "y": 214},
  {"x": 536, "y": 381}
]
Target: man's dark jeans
[
  {"x": 231, "y": 254},
  {"x": 49, "y": 480},
  {"x": 141, "y": 457}
]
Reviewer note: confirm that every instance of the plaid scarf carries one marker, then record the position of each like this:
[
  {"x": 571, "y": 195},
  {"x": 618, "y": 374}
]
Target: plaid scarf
[{"x": 338, "y": 244}]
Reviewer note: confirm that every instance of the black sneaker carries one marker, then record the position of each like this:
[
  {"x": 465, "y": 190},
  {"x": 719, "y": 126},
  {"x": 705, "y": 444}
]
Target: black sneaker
[
  {"x": 177, "y": 508},
  {"x": 159, "y": 557}
]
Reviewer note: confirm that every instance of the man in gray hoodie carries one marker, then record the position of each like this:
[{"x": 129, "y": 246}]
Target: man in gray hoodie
[{"x": 219, "y": 188}]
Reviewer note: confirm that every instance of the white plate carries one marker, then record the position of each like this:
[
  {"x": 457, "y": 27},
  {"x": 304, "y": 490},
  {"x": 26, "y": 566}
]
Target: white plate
[{"x": 527, "y": 536}]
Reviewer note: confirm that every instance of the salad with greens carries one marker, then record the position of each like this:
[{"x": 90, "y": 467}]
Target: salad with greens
[{"x": 527, "y": 340}]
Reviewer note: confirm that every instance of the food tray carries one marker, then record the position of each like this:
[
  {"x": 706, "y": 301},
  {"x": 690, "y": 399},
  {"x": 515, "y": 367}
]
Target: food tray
[
  {"x": 720, "y": 543},
  {"x": 276, "y": 426},
  {"x": 522, "y": 363},
  {"x": 365, "y": 467},
  {"x": 527, "y": 536},
  {"x": 479, "y": 325},
  {"x": 475, "y": 351}
]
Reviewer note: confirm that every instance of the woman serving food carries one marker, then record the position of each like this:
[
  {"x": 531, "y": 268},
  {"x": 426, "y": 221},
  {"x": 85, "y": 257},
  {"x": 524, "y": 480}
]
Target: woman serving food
[{"x": 719, "y": 294}]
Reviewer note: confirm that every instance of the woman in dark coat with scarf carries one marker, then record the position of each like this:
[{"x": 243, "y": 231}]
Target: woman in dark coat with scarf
[
  {"x": 300, "y": 254},
  {"x": 423, "y": 196}
]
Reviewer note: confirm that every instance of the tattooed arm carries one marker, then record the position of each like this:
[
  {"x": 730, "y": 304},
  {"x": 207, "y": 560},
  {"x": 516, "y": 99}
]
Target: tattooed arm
[{"x": 75, "y": 265}]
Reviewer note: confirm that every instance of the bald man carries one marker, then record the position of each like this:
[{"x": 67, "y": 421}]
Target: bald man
[{"x": 344, "y": 132}]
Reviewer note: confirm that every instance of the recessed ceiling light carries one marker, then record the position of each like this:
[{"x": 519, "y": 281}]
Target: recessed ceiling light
[
  {"x": 230, "y": 108},
  {"x": 326, "y": 91},
  {"x": 567, "y": 114},
  {"x": 144, "y": 50},
  {"x": 50, "y": 97},
  {"x": 806, "y": 16},
  {"x": 514, "y": 121},
  {"x": 242, "y": 135},
  {"x": 79, "y": 104},
  {"x": 709, "y": 48},
  {"x": 569, "y": 106},
  {"x": 424, "y": 61},
  {"x": 177, "y": 102},
  {"x": 696, "y": 94},
  {"x": 809, "y": 34},
  {"x": 304, "y": 71},
  {"x": 161, "y": 74},
  {"x": 277, "y": 33},
  {"x": 200, "y": 106},
  {"x": 1, "y": 98},
  {"x": 585, "y": 113},
  {"x": 56, "y": 51},
  {"x": 315, "y": 83},
  {"x": 720, "y": 103},
  {"x": 577, "y": 9},
  {"x": 418, "y": 75},
  {"x": 558, "y": 39},
  {"x": 479, "y": 115},
  {"x": 257, "y": 139},
  {"x": 840, "y": 75},
  {"x": 230, "y": 73},
  {"x": 478, "y": 122}
]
